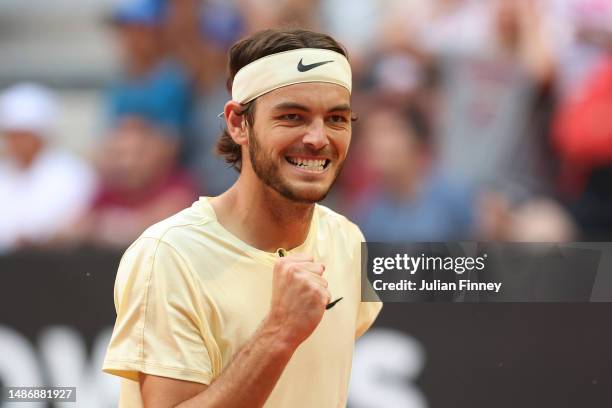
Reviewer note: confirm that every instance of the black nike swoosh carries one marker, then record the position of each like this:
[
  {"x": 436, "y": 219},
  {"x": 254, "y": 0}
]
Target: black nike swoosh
[
  {"x": 303, "y": 68},
  {"x": 332, "y": 304}
]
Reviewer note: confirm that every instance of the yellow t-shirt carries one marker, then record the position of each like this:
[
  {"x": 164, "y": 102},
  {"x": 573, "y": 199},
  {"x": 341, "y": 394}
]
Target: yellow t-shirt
[{"x": 189, "y": 295}]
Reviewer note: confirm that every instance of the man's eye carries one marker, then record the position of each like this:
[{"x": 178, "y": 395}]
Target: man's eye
[
  {"x": 290, "y": 116},
  {"x": 338, "y": 119}
]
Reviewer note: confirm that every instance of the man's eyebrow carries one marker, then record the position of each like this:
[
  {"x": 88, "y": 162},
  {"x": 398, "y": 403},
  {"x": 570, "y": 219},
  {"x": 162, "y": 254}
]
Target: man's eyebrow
[
  {"x": 343, "y": 107},
  {"x": 290, "y": 105},
  {"x": 297, "y": 106}
]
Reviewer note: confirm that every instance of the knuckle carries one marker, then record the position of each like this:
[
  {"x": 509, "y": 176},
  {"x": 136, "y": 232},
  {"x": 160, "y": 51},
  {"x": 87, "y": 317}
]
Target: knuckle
[
  {"x": 298, "y": 278},
  {"x": 314, "y": 288}
]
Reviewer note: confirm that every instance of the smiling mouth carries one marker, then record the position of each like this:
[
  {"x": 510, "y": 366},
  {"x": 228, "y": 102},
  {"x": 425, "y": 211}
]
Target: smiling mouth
[{"x": 308, "y": 164}]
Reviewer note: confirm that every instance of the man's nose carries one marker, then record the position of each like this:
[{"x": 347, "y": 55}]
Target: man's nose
[{"x": 316, "y": 135}]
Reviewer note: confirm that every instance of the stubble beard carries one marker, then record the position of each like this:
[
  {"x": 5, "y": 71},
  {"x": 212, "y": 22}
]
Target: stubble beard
[{"x": 269, "y": 173}]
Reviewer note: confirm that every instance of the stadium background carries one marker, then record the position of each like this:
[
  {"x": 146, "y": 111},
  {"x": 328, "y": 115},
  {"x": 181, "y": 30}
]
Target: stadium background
[{"x": 478, "y": 120}]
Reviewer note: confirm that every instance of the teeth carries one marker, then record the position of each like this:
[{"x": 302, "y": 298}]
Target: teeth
[{"x": 315, "y": 165}]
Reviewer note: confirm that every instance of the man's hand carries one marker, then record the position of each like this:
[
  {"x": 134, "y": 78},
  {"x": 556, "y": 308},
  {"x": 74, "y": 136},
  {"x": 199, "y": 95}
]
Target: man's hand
[{"x": 299, "y": 297}]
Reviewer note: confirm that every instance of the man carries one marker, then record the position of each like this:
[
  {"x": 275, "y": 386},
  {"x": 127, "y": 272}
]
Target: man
[
  {"x": 43, "y": 187},
  {"x": 410, "y": 200},
  {"x": 140, "y": 183},
  {"x": 150, "y": 84},
  {"x": 212, "y": 311}
]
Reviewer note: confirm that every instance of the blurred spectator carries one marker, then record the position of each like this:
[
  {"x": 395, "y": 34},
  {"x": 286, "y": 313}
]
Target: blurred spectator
[
  {"x": 411, "y": 201},
  {"x": 490, "y": 95},
  {"x": 151, "y": 85},
  {"x": 218, "y": 26},
  {"x": 537, "y": 219},
  {"x": 583, "y": 135},
  {"x": 141, "y": 184},
  {"x": 43, "y": 188},
  {"x": 198, "y": 34}
]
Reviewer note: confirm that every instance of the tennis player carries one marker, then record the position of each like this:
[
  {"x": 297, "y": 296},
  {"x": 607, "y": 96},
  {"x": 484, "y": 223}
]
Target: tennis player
[{"x": 227, "y": 303}]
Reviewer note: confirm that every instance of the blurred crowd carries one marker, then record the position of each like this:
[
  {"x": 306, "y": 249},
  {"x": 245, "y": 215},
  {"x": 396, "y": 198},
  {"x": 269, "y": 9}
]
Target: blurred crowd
[{"x": 477, "y": 120}]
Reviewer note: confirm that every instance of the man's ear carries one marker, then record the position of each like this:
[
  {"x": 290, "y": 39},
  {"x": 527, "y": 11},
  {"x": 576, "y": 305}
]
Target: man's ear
[{"x": 236, "y": 123}]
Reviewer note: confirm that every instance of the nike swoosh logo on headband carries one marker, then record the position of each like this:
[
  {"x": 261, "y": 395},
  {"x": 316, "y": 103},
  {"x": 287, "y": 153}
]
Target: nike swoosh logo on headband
[{"x": 303, "y": 68}]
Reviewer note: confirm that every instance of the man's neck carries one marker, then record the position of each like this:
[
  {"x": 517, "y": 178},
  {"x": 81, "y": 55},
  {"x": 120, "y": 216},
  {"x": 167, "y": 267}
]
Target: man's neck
[{"x": 261, "y": 217}]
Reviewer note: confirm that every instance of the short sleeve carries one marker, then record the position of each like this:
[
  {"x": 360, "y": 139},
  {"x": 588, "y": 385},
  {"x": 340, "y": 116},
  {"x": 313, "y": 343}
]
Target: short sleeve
[
  {"x": 161, "y": 327},
  {"x": 368, "y": 311}
]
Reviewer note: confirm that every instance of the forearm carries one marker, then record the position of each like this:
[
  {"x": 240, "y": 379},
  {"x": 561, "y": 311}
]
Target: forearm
[{"x": 251, "y": 376}]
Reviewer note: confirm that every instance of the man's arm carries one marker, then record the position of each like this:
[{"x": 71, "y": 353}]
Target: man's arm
[
  {"x": 247, "y": 382},
  {"x": 299, "y": 297}
]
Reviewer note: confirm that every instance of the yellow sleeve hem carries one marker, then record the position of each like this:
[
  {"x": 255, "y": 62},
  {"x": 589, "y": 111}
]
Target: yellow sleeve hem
[
  {"x": 131, "y": 368},
  {"x": 375, "y": 308}
]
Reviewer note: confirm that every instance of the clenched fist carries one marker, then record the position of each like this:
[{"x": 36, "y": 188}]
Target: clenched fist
[{"x": 299, "y": 297}]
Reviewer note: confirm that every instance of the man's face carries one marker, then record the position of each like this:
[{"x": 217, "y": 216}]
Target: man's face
[
  {"x": 22, "y": 146},
  {"x": 300, "y": 138},
  {"x": 139, "y": 41},
  {"x": 392, "y": 150},
  {"x": 135, "y": 155}
]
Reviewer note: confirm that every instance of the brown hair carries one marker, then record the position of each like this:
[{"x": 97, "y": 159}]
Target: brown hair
[{"x": 257, "y": 46}]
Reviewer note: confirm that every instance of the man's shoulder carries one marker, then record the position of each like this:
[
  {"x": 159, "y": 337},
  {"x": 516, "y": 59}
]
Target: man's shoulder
[
  {"x": 179, "y": 227},
  {"x": 337, "y": 222}
]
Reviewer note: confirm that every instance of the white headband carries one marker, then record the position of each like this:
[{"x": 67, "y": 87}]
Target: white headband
[{"x": 290, "y": 67}]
